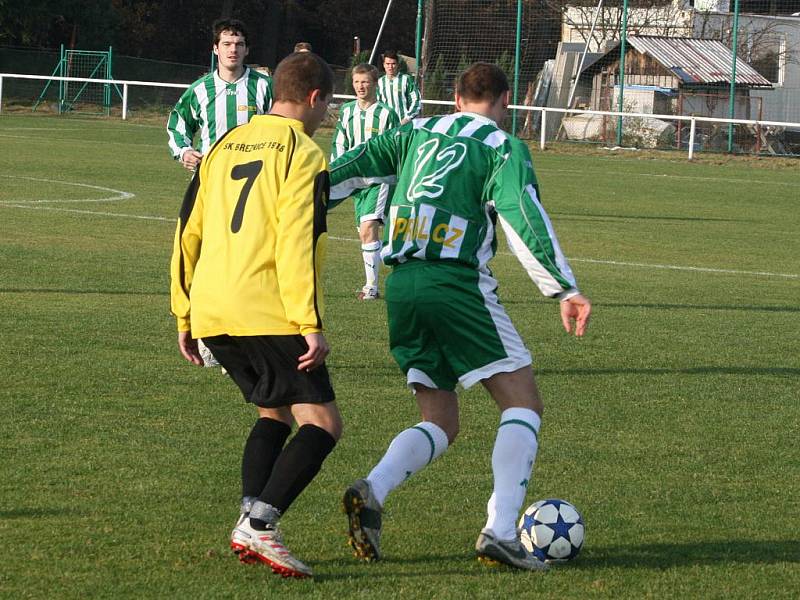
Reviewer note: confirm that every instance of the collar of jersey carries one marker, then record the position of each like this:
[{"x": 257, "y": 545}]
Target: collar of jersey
[
  {"x": 293, "y": 123},
  {"x": 364, "y": 109},
  {"x": 221, "y": 81},
  {"x": 477, "y": 116}
]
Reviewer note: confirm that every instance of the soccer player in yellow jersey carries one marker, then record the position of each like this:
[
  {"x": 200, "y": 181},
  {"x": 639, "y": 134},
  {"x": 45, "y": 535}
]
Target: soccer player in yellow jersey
[{"x": 246, "y": 265}]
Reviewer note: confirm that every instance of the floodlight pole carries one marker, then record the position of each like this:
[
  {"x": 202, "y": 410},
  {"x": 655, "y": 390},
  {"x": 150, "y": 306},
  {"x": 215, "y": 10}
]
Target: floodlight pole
[
  {"x": 732, "y": 102},
  {"x": 516, "y": 66},
  {"x": 418, "y": 41},
  {"x": 623, "y": 37},
  {"x": 380, "y": 31},
  {"x": 583, "y": 55}
]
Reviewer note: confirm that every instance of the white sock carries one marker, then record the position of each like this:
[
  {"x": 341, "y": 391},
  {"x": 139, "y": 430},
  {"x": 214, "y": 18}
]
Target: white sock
[
  {"x": 512, "y": 463},
  {"x": 410, "y": 451},
  {"x": 371, "y": 253}
]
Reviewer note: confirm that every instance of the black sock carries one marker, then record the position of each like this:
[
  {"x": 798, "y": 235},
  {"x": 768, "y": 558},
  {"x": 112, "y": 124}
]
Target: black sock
[
  {"x": 297, "y": 465},
  {"x": 261, "y": 450}
]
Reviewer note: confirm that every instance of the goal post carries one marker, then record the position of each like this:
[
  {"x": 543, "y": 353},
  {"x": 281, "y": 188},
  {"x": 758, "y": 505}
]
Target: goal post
[{"x": 83, "y": 96}]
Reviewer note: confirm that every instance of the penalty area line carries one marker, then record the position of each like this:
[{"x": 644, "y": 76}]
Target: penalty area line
[{"x": 685, "y": 268}]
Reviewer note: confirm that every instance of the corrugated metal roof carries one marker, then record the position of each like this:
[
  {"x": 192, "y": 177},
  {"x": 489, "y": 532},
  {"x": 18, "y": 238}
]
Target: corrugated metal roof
[{"x": 697, "y": 61}]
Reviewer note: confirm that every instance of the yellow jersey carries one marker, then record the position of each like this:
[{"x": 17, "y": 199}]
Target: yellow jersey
[{"x": 252, "y": 235}]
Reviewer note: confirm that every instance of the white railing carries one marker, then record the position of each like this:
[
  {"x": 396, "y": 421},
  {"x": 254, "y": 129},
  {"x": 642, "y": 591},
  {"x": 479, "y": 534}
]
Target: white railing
[
  {"x": 123, "y": 82},
  {"x": 692, "y": 120},
  {"x": 544, "y": 110}
]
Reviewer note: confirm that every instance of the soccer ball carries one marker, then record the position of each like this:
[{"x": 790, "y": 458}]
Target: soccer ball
[{"x": 552, "y": 530}]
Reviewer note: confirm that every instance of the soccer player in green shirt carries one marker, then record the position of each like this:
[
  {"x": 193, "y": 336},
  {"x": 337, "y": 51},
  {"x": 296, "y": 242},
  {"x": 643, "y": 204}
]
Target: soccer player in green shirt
[
  {"x": 458, "y": 176},
  {"x": 360, "y": 120},
  {"x": 398, "y": 90},
  {"x": 229, "y": 96},
  {"x": 218, "y": 101}
]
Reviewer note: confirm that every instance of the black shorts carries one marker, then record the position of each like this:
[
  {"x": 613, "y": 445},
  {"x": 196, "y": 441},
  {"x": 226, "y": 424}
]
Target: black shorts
[{"x": 265, "y": 369}]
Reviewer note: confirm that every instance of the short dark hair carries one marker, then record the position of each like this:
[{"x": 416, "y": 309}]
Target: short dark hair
[
  {"x": 297, "y": 75},
  {"x": 482, "y": 81},
  {"x": 303, "y": 47},
  {"x": 232, "y": 25},
  {"x": 390, "y": 54},
  {"x": 366, "y": 68}
]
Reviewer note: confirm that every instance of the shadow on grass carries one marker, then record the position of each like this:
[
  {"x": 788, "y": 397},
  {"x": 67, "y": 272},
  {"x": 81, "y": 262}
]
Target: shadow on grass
[
  {"x": 37, "y": 513},
  {"x": 602, "y": 305},
  {"x": 779, "y": 371},
  {"x": 663, "y": 556},
  {"x": 741, "y": 307},
  {"x": 607, "y": 217},
  {"x": 389, "y": 369},
  {"x": 647, "y": 556},
  {"x": 82, "y": 292},
  {"x": 465, "y": 565}
]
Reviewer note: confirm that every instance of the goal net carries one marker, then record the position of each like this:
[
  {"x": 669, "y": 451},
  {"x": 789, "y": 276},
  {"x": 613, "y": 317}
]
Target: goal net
[
  {"x": 82, "y": 96},
  {"x": 460, "y": 32}
]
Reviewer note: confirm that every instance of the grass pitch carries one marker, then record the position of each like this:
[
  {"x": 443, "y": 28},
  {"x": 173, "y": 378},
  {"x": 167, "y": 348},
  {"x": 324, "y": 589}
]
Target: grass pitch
[{"x": 672, "y": 426}]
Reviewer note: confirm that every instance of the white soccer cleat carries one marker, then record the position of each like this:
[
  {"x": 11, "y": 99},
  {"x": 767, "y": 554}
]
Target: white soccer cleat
[
  {"x": 492, "y": 552},
  {"x": 266, "y": 546},
  {"x": 206, "y": 355},
  {"x": 368, "y": 293}
]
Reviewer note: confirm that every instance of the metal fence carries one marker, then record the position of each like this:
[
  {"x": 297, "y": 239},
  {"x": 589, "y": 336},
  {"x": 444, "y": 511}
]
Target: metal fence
[
  {"x": 664, "y": 59},
  {"x": 688, "y": 132}
]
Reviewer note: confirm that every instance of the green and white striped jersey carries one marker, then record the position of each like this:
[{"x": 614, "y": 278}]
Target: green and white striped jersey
[
  {"x": 400, "y": 94},
  {"x": 356, "y": 125},
  {"x": 456, "y": 175},
  {"x": 212, "y": 106}
]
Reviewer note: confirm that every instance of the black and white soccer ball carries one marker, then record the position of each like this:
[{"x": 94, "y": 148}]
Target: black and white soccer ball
[{"x": 552, "y": 530}]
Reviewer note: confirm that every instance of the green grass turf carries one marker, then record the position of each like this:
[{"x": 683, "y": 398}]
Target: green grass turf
[{"x": 673, "y": 425}]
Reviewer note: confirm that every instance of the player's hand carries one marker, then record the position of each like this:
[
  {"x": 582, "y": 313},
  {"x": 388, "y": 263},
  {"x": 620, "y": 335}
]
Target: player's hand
[
  {"x": 188, "y": 347},
  {"x": 318, "y": 349},
  {"x": 576, "y": 310},
  {"x": 191, "y": 159}
]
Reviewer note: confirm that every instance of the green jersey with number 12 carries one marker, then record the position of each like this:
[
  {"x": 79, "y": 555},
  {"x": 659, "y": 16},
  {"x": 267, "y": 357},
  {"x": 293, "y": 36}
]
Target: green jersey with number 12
[{"x": 456, "y": 175}]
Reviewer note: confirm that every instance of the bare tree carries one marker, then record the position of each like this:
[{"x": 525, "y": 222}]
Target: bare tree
[
  {"x": 645, "y": 17},
  {"x": 761, "y": 42}
]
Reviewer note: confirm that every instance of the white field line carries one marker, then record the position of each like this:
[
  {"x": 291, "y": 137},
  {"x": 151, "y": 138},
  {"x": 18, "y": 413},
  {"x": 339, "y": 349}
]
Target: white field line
[
  {"x": 682, "y": 268},
  {"x": 118, "y": 194},
  {"x": 647, "y": 265},
  {"x": 615, "y": 263},
  {"x": 540, "y": 171},
  {"x": 90, "y": 212},
  {"x": 671, "y": 176}
]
